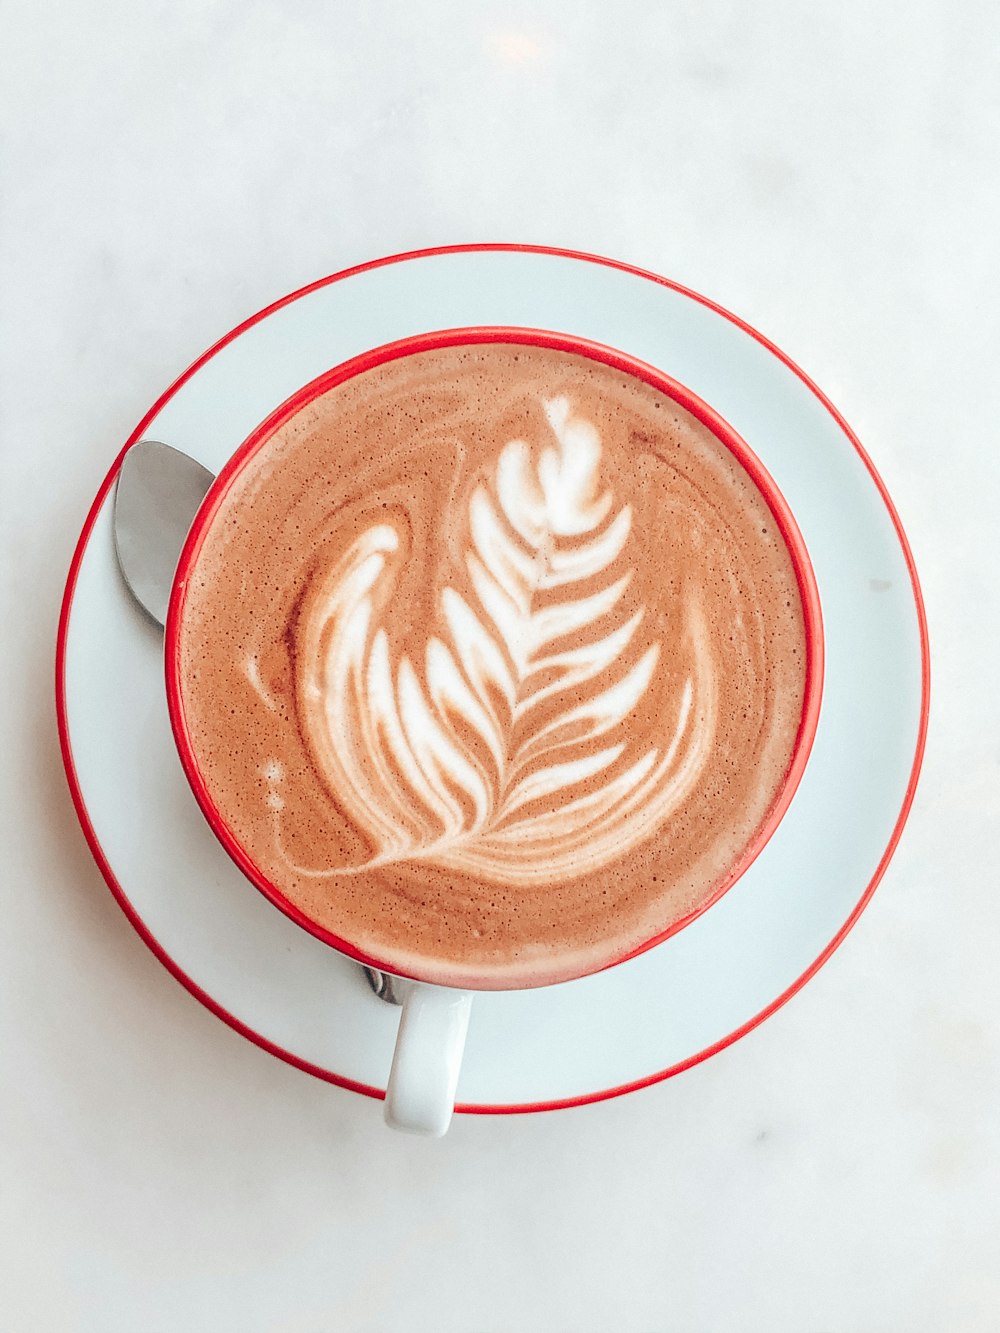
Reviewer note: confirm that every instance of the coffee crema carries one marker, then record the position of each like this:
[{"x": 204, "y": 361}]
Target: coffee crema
[{"x": 492, "y": 660}]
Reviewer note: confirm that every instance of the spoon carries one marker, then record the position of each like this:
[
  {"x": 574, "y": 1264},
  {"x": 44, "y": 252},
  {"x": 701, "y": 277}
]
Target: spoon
[{"x": 157, "y": 494}]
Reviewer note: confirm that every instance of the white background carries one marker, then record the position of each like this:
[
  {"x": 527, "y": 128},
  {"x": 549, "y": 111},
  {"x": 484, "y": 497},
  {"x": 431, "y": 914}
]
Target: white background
[{"x": 828, "y": 172}]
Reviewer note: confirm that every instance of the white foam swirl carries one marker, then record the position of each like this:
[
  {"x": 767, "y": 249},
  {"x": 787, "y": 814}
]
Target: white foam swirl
[{"x": 508, "y": 754}]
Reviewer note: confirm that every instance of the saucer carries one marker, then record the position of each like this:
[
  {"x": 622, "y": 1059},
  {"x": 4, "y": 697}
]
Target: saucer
[{"x": 702, "y": 988}]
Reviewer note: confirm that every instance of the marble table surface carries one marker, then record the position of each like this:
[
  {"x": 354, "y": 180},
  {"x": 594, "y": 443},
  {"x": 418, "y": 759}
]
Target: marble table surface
[{"x": 829, "y": 173}]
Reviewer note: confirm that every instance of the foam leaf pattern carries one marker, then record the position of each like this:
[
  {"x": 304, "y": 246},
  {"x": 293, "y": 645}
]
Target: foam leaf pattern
[{"x": 506, "y": 753}]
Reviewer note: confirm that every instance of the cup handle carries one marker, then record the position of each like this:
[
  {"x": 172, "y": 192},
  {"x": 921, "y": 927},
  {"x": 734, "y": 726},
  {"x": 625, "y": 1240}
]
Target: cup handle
[{"x": 428, "y": 1056}]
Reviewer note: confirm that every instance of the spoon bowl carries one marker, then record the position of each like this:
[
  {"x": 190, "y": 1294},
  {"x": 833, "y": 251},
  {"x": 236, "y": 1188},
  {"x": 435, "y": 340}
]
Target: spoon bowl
[{"x": 157, "y": 495}]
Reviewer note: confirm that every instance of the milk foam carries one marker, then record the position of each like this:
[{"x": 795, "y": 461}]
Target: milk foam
[{"x": 421, "y": 757}]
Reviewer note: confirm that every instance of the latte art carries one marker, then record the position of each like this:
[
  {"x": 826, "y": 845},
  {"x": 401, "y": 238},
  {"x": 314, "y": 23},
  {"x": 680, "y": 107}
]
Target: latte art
[
  {"x": 492, "y": 663},
  {"x": 506, "y": 752}
]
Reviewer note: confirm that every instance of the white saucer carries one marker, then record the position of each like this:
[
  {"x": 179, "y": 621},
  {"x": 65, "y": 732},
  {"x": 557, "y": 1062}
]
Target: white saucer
[{"x": 691, "y": 995}]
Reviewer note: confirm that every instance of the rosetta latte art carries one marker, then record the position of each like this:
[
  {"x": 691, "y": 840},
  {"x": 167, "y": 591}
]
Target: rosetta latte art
[{"x": 505, "y": 750}]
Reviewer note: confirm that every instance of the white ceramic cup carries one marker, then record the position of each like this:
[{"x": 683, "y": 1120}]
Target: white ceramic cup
[{"x": 434, "y": 1019}]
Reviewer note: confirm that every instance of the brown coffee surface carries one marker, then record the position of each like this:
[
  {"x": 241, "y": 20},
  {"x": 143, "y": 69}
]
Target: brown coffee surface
[{"x": 493, "y": 661}]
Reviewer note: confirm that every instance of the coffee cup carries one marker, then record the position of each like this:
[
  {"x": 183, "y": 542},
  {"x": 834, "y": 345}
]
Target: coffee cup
[{"x": 493, "y": 658}]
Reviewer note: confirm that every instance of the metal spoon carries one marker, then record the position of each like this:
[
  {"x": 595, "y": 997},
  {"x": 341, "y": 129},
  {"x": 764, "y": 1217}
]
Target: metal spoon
[{"x": 157, "y": 495}]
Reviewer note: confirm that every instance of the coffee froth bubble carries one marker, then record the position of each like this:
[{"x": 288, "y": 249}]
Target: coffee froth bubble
[{"x": 493, "y": 661}]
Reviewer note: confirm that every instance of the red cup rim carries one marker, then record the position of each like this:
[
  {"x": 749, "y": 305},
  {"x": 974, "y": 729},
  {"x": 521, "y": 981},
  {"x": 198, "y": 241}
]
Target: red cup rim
[{"x": 368, "y": 360}]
